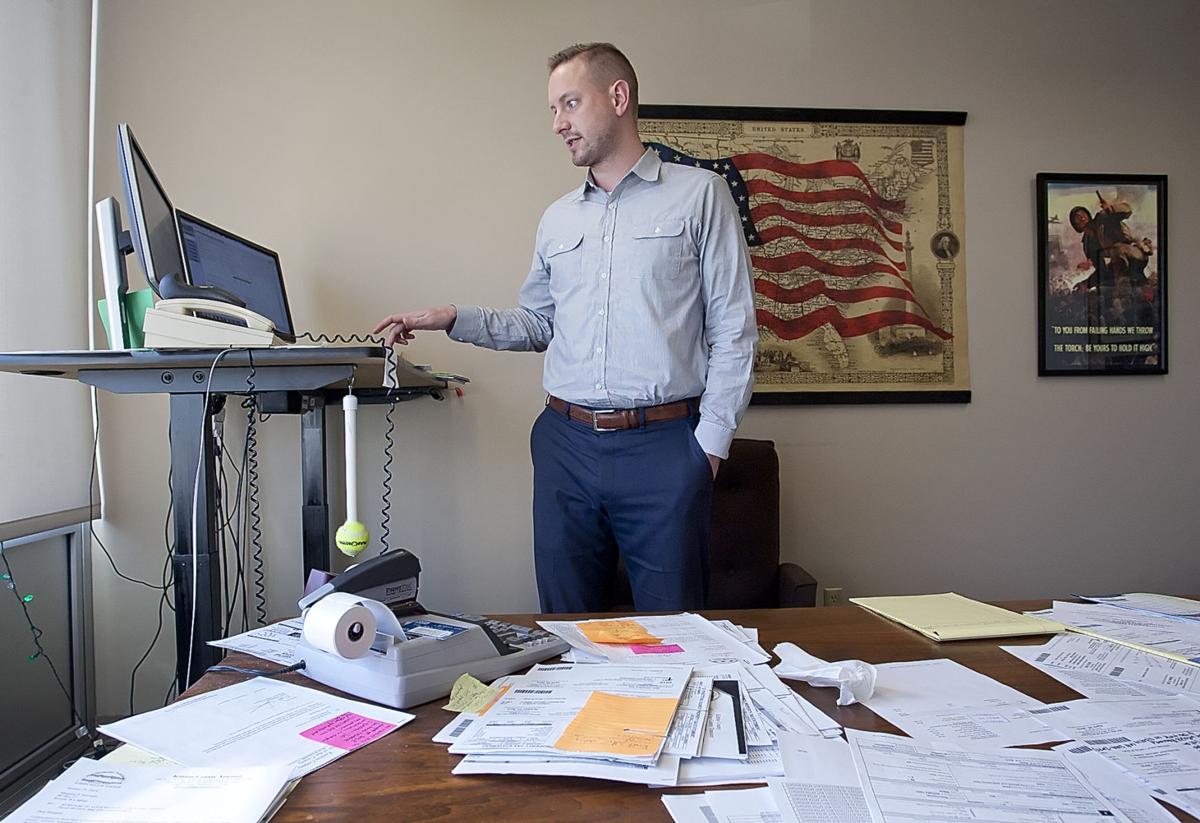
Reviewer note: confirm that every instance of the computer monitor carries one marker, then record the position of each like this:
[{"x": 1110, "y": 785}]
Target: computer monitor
[
  {"x": 216, "y": 257},
  {"x": 151, "y": 215}
]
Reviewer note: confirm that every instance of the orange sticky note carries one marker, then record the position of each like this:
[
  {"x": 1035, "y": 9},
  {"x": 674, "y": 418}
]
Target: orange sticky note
[
  {"x": 617, "y": 631},
  {"x": 613, "y": 724}
]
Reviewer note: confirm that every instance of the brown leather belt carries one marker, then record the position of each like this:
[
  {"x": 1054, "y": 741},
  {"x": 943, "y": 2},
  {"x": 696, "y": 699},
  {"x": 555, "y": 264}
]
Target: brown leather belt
[{"x": 617, "y": 419}]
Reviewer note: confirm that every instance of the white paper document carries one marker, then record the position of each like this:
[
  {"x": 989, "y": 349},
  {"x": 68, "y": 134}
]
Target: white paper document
[
  {"x": 689, "y": 808},
  {"x": 259, "y": 722},
  {"x": 1125, "y": 671},
  {"x": 1118, "y": 787},
  {"x": 761, "y": 762},
  {"x": 821, "y": 784},
  {"x": 1156, "y": 740},
  {"x": 784, "y": 708},
  {"x": 743, "y": 806},
  {"x": 94, "y": 791},
  {"x": 687, "y": 728},
  {"x": 1161, "y": 604},
  {"x": 663, "y": 772},
  {"x": 940, "y": 700},
  {"x": 276, "y": 642},
  {"x": 683, "y": 639},
  {"x": 1167, "y": 636},
  {"x": 905, "y": 780}
]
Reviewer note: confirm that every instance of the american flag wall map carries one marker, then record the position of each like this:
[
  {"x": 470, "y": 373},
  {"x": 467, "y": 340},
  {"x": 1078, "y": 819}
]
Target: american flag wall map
[{"x": 854, "y": 221}]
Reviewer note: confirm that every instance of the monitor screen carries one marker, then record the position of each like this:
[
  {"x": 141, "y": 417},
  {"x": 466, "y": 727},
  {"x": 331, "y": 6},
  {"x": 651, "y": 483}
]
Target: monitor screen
[
  {"x": 151, "y": 216},
  {"x": 216, "y": 257}
]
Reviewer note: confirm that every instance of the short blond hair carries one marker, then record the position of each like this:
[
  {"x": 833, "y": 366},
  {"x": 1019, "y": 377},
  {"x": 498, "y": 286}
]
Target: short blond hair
[{"x": 605, "y": 62}]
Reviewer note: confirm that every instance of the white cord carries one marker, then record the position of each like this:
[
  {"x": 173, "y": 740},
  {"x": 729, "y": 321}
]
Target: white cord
[
  {"x": 91, "y": 216},
  {"x": 195, "y": 509}
]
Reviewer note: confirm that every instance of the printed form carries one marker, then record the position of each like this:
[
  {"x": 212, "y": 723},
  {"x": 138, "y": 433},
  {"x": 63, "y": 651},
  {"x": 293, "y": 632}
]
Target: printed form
[
  {"x": 905, "y": 780},
  {"x": 612, "y": 711},
  {"x": 940, "y": 700},
  {"x": 1099, "y": 668},
  {"x": 259, "y": 722}
]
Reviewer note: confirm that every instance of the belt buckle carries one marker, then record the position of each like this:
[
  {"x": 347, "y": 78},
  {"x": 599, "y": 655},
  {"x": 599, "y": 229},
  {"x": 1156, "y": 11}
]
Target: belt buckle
[{"x": 596, "y": 421}]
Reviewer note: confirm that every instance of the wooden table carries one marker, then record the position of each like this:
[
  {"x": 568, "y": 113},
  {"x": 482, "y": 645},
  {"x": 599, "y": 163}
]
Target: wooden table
[{"x": 405, "y": 777}]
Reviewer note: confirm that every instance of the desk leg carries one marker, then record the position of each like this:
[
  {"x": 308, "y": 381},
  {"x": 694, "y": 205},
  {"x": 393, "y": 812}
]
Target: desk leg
[
  {"x": 316, "y": 492},
  {"x": 189, "y": 418}
]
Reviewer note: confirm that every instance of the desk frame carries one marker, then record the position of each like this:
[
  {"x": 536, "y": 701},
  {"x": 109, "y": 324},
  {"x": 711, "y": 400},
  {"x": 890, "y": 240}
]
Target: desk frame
[{"x": 286, "y": 381}]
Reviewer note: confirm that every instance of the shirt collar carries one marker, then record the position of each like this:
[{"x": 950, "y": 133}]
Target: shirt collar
[{"x": 647, "y": 168}]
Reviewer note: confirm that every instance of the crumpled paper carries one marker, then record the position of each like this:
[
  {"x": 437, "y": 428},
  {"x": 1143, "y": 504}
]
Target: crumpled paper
[{"x": 854, "y": 679}]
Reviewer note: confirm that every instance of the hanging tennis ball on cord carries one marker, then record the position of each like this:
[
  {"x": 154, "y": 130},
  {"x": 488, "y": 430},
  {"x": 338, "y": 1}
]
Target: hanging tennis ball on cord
[{"x": 352, "y": 536}]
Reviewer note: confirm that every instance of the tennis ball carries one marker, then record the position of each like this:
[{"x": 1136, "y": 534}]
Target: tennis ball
[{"x": 352, "y": 537}]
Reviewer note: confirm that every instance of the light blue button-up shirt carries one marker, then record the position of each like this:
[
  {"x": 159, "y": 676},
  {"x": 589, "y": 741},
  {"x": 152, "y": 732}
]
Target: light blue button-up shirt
[{"x": 638, "y": 297}]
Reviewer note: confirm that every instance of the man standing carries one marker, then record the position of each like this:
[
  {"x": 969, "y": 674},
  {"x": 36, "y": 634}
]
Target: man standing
[{"x": 641, "y": 296}]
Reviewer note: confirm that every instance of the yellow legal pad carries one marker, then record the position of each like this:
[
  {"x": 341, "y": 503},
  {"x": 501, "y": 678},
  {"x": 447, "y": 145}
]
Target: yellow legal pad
[
  {"x": 617, "y": 631},
  {"x": 954, "y": 617},
  {"x": 618, "y": 725}
]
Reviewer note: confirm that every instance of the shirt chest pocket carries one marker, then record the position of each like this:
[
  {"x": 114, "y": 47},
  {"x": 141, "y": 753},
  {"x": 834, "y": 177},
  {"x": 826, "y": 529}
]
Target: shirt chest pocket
[
  {"x": 658, "y": 249},
  {"x": 564, "y": 256}
]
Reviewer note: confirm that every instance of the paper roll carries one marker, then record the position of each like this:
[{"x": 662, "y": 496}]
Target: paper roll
[{"x": 340, "y": 624}]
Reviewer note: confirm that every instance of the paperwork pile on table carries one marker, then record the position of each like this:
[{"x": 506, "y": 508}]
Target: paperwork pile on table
[
  {"x": 1134, "y": 738},
  {"x": 668, "y": 701}
]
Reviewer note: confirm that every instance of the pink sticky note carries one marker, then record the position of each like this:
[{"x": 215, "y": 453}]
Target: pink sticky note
[
  {"x": 348, "y": 731},
  {"x": 638, "y": 648}
]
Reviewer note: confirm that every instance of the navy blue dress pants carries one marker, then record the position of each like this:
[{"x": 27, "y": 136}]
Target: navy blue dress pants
[{"x": 644, "y": 493}]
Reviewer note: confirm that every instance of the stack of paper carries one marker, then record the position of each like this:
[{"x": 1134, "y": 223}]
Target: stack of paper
[
  {"x": 954, "y": 617},
  {"x": 633, "y": 715},
  {"x": 1159, "y": 604},
  {"x": 259, "y": 722},
  {"x": 1168, "y": 636},
  {"x": 675, "y": 639},
  {"x": 1101, "y": 669},
  {"x": 1157, "y": 741},
  {"x": 94, "y": 790}
]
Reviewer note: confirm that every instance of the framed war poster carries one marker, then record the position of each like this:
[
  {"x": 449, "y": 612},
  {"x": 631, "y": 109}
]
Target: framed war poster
[
  {"x": 1102, "y": 274},
  {"x": 855, "y": 225}
]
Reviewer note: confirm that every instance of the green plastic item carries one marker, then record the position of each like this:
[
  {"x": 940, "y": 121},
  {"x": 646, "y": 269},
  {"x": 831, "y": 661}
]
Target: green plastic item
[{"x": 136, "y": 303}]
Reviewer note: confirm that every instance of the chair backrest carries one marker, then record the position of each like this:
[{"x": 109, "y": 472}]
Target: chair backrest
[{"x": 744, "y": 537}]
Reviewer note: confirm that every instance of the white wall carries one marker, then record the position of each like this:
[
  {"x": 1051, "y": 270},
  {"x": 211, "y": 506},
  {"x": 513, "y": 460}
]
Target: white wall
[{"x": 399, "y": 154}]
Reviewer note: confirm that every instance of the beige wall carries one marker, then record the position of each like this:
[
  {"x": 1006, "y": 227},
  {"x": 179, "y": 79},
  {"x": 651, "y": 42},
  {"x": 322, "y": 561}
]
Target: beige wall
[{"x": 399, "y": 154}]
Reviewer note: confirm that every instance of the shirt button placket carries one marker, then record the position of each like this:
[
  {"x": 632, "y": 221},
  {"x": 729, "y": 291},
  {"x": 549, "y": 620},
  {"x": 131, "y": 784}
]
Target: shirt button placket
[{"x": 608, "y": 231}]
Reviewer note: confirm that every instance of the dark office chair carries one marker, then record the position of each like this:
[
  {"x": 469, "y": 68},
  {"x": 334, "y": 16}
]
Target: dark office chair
[{"x": 744, "y": 571}]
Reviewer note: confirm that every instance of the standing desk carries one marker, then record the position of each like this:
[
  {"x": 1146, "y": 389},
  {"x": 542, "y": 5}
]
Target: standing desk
[{"x": 293, "y": 380}]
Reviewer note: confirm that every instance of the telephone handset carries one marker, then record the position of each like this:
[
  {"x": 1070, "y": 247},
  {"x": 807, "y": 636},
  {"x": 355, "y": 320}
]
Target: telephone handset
[
  {"x": 196, "y": 305},
  {"x": 176, "y": 323}
]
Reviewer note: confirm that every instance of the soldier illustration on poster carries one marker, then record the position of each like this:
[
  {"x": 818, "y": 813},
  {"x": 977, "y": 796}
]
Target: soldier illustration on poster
[
  {"x": 855, "y": 225},
  {"x": 1102, "y": 274}
]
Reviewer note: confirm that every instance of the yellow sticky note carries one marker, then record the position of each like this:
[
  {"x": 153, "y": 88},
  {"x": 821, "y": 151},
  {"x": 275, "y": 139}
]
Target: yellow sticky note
[
  {"x": 469, "y": 695},
  {"x": 613, "y": 724},
  {"x": 617, "y": 631}
]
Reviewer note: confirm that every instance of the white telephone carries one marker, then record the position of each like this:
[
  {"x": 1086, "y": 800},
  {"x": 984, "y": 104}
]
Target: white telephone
[{"x": 174, "y": 324}]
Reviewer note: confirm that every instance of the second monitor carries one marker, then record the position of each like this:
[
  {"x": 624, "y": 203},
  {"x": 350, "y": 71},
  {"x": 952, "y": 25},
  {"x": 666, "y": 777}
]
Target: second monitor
[{"x": 216, "y": 257}]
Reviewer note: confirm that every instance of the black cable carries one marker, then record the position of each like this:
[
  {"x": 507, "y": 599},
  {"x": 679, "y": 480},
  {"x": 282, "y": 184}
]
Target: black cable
[
  {"x": 233, "y": 524},
  {"x": 385, "y": 500},
  {"x": 295, "y": 667},
  {"x": 252, "y": 508},
  {"x": 36, "y": 634},
  {"x": 92, "y": 512}
]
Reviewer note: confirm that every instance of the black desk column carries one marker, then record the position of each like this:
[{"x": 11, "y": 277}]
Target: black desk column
[
  {"x": 315, "y": 488},
  {"x": 192, "y": 451}
]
